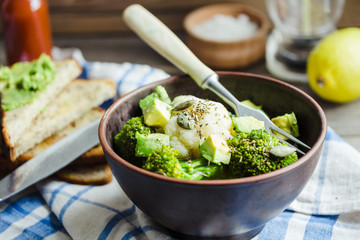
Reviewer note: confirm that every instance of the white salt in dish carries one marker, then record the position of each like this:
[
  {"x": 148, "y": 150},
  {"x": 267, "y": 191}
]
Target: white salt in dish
[
  {"x": 226, "y": 28},
  {"x": 233, "y": 35}
]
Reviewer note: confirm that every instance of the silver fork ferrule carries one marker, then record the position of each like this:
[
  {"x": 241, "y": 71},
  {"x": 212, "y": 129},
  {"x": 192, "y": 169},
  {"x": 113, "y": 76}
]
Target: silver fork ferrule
[{"x": 212, "y": 83}]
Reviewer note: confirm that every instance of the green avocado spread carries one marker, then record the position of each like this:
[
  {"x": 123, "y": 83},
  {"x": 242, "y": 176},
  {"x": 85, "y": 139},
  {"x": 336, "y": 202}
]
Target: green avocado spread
[{"x": 20, "y": 83}]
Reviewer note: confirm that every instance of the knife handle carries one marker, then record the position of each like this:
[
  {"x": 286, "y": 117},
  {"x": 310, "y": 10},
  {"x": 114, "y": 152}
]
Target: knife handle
[{"x": 165, "y": 42}]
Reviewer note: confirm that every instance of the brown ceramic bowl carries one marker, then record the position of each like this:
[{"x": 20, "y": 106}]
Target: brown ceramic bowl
[
  {"x": 218, "y": 208},
  {"x": 227, "y": 55}
]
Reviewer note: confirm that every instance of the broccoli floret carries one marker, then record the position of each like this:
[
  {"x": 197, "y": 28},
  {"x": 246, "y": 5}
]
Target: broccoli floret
[
  {"x": 250, "y": 154},
  {"x": 201, "y": 169},
  {"x": 125, "y": 140},
  {"x": 164, "y": 162}
]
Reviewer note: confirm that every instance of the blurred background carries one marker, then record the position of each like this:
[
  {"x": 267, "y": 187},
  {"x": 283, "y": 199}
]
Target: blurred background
[
  {"x": 72, "y": 21},
  {"x": 94, "y": 17},
  {"x": 78, "y": 19}
]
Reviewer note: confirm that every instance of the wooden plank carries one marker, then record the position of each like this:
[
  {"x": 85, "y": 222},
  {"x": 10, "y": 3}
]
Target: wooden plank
[
  {"x": 105, "y": 16},
  {"x": 110, "y": 5},
  {"x": 92, "y": 17},
  {"x": 350, "y": 16},
  {"x": 99, "y": 23}
]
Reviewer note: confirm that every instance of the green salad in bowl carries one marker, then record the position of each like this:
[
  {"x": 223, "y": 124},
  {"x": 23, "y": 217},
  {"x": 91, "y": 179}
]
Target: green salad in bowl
[
  {"x": 241, "y": 176},
  {"x": 199, "y": 139}
]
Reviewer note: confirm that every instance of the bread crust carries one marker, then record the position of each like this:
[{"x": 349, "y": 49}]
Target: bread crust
[
  {"x": 97, "y": 174},
  {"x": 86, "y": 118}
]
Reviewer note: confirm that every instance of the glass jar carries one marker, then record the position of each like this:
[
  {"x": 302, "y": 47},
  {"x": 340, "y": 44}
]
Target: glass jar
[
  {"x": 298, "y": 26},
  {"x": 301, "y": 24},
  {"x": 26, "y": 29}
]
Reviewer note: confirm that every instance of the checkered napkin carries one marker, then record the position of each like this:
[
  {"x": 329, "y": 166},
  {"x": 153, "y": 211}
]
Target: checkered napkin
[{"x": 328, "y": 207}]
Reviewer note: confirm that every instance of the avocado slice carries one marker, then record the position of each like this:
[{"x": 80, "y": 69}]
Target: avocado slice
[
  {"x": 215, "y": 149},
  {"x": 159, "y": 93},
  {"x": 247, "y": 124},
  {"x": 288, "y": 123},
  {"x": 251, "y": 104},
  {"x": 150, "y": 143},
  {"x": 157, "y": 113}
]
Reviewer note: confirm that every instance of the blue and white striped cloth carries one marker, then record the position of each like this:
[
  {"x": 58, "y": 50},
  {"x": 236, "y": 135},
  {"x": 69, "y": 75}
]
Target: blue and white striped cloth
[{"x": 328, "y": 207}]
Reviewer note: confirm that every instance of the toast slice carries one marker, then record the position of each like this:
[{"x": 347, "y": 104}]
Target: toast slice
[
  {"x": 15, "y": 122},
  {"x": 93, "y": 156},
  {"x": 90, "y": 157},
  {"x": 96, "y": 174},
  {"x": 77, "y": 98}
]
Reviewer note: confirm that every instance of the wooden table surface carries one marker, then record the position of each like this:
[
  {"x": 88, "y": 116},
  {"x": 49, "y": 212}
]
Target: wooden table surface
[{"x": 343, "y": 118}]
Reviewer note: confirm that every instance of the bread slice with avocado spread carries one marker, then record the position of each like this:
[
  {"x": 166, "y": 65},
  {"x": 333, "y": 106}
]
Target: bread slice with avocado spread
[
  {"x": 26, "y": 89},
  {"x": 42, "y": 102},
  {"x": 75, "y": 100}
]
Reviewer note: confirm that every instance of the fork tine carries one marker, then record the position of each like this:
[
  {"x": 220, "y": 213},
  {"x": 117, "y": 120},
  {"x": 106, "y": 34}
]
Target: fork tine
[
  {"x": 268, "y": 123},
  {"x": 289, "y": 136},
  {"x": 290, "y": 145}
]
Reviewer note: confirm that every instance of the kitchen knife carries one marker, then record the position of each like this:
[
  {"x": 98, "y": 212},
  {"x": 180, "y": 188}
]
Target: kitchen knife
[{"x": 50, "y": 160}]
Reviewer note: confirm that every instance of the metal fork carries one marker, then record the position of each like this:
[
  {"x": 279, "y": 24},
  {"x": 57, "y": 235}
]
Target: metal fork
[{"x": 166, "y": 43}]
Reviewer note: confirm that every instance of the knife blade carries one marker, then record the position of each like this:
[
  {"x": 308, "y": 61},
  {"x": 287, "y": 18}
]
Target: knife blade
[{"x": 50, "y": 160}]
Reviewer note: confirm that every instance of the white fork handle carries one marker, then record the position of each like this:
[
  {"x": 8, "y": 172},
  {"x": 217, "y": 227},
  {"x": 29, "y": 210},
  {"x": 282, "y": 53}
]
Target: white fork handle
[{"x": 165, "y": 42}]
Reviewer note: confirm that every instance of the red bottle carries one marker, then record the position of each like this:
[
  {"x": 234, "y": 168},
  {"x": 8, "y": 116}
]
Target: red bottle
[{"x": 26, "y": 28}]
